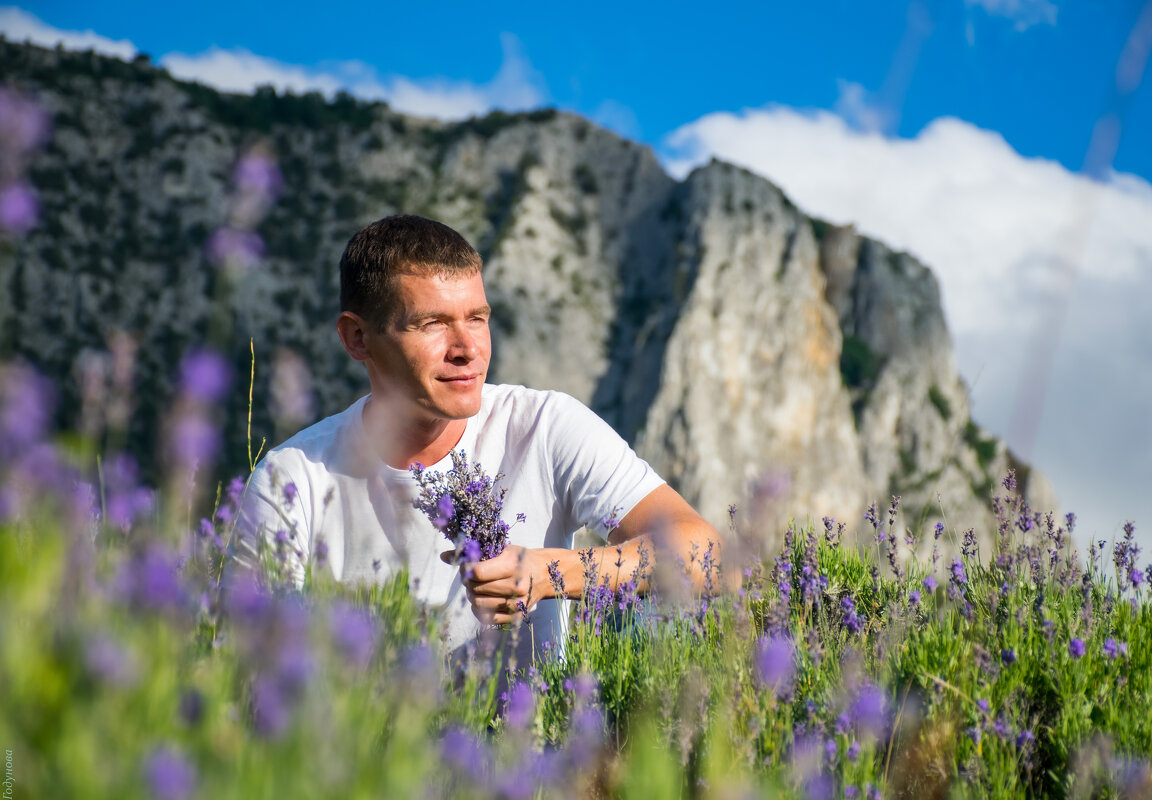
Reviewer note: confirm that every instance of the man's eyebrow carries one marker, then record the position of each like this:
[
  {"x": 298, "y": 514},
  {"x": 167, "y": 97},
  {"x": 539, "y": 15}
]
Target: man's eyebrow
[{"x": 422, "y": 316}]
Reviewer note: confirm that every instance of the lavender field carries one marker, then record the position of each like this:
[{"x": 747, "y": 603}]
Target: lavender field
[{"x": 137, "y": 663}]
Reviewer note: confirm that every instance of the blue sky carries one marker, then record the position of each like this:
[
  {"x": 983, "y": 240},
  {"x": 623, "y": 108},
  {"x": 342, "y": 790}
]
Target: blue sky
[
  {"x": 957, "y": 131},
  {"x": 1037, "y": 72}
]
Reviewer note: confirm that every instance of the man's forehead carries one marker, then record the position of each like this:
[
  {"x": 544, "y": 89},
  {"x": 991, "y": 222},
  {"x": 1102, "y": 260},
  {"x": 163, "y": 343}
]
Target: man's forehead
[{"x": 427, "y": 292}]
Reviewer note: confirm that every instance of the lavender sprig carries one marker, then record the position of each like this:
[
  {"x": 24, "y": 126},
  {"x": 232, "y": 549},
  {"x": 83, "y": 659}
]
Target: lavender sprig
[{"x": 465, "y": 504}]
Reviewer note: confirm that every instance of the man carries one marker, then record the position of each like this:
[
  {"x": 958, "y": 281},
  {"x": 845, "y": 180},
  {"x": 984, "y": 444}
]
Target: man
[{"x": 414, "y": 312}]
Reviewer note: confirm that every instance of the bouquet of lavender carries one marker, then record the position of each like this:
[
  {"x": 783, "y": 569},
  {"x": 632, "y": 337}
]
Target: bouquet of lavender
[{"x": 465, "y": 505}]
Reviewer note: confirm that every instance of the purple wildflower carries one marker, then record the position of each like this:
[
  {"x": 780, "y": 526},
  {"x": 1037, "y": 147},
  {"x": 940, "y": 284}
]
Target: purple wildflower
[
  {"x": 1076, "y": 648},
  {"x": 1114, "y": 649},
  {"x": 24, "y": 125},
  {"x": 257, "y": 172},
  {"x": 169, "y": 775},
  {"x": 930, "y": 583},
  {"x": 353, "y": 634},
  {"x": 461, "y": 751},
  {"x": 110, "y": 663},
  {"x": 476, "y": 504},
  {"x": 150, "y": 580},
  {"x": 240, "y": 249},
  {"x": 869, "y": 711},
  {"x": 775, "y": 661},
  {"x": 27, "y": 401},
  {"x": 914, "y": 597},
  {"x": 959, "y": 576},
  {"x": 204, "y": 376},
  {"x": 290, "y": 492},
  {"x": 1009, "y": 482},
  {"x": 520, "y": 707},
  {"x": 445, "y": 509},
  {"x": 194, "y": 440},
  {"x": 854, "y": 751},
  {"x": 19, "y": 208},
  {"x": 850, "y": 618},
  {"x": 269, "y": 708},
  {"x": 1008, "y": 655}
]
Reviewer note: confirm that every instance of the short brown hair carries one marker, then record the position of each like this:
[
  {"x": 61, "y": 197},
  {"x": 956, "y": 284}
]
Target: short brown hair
[{"x": 404, "y": 244}]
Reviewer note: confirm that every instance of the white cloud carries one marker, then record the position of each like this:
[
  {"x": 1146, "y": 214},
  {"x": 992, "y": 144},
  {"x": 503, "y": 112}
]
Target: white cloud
[
  {"x": 1025, "y": 13},
  {"x": 18, "y": 25},
  {"x": 515, "y": 86},
  {"x": 239, "y": 70},
  {"x": 1033, "y": 261}
]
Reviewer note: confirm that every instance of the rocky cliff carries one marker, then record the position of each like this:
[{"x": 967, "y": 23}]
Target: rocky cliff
[{"x": 752, "y": 354}]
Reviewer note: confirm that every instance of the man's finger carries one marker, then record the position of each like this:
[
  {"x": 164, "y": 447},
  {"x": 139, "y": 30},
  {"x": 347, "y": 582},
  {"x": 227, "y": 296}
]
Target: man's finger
[
  {"x": 448, "y": 556},
  {"x": 501, "y": 588}
]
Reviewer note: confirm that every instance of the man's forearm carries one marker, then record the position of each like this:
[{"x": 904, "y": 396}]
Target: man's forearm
[{"x": 682, "y": 547}]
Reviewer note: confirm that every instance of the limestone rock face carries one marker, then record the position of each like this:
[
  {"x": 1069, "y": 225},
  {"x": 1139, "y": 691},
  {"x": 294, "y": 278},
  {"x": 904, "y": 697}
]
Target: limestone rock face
[{"x": 755, "y": 356}]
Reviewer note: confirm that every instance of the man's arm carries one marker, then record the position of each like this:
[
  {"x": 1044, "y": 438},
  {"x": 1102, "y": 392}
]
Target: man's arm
[{"x": 661, "y": 528}]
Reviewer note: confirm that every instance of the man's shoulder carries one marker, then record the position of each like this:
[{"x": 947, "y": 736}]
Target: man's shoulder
[
  {"x": 321, "y": 439},
  {"x": 510, "y": 402}
]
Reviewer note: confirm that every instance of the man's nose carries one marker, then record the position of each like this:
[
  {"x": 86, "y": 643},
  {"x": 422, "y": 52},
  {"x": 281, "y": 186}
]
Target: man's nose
[{"x": 465, "y": 343}]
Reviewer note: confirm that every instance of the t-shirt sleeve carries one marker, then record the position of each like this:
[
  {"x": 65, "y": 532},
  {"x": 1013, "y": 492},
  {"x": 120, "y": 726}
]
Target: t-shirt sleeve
[
  {"x": 274, "y": 512},
  {"x": 598, "y": 476}
]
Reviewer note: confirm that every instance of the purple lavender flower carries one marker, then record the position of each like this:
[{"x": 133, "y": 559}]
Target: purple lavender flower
[
  {"x": 109, "y": 662},
  {"x": 1009, "y": 482},
  {"x": 521, "y": 706},
  {"x": 775, "y": 661},
  {"x": 290, "y": 492},
  {"x": 257, "y": 172},
  {"x": 461, "y": 751},
  {"x": 150, "y": 580},
  {"x": 1008, "y": 655},
  {"x": 239, "y": 249},
  {"x": 26, "y": 405},
  {"x": 194, "y": 441},
  {"x": 269, "y": 708},
  {"x": 831, "y": 750},
  {"x": 959, "y": 576},
  {"x": 1114, "y": 649},
  {"x": 1076, "y": 648},
  {"x": 445, "y": 509},
  {"x": 869, "y": 711},
  {"x": 930, "y": 583},
  {"x": 353, "y": 634},
  {"x": 236, "y": 491},
  {"x": 914, "y": 597},
  {"x": 476, "y": 504},
  {"x": 204, "y": 376},
  {"x": 850, "y": 618},
  {"x": 170, "y": 776},
  {"x": 854, "y": 751},
  {"x": 556, "y": 578},
  {"x": 19, "y": 208}
]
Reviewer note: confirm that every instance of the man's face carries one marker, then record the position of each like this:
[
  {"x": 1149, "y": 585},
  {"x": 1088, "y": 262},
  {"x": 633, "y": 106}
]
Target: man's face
[{"x": 432, "y": 355}]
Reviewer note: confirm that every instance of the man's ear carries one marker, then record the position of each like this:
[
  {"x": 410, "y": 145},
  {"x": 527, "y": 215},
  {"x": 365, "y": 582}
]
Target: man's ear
[{"x": 353, "y": 329}]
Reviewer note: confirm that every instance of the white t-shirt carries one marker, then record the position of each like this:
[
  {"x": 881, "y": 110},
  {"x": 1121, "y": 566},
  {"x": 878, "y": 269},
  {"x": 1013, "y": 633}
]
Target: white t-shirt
[{"x": 563, "y": 466}]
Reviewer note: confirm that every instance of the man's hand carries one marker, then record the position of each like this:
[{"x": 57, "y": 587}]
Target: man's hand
[{"x": 505, "y": 586}]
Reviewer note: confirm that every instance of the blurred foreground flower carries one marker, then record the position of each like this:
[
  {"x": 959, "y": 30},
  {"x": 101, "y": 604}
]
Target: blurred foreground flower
[{"x": 24, "y": 127}]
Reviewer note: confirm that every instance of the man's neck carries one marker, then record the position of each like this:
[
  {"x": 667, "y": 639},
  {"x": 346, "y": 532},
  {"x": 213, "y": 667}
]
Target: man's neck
[{"x": 401, "y": 439}]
